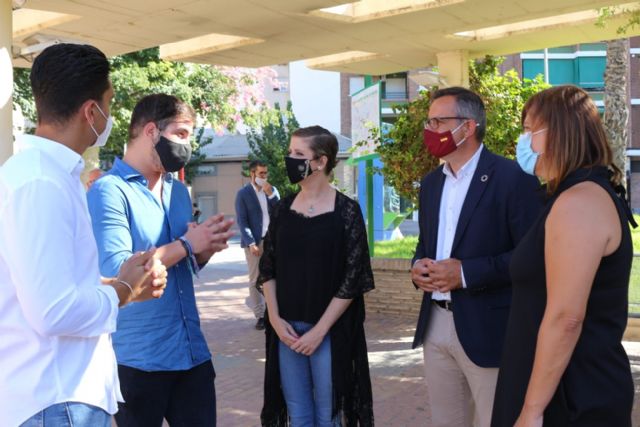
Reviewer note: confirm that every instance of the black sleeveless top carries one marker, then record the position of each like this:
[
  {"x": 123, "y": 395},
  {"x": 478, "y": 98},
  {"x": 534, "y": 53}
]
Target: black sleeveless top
[{"x": 596, "y": 388}]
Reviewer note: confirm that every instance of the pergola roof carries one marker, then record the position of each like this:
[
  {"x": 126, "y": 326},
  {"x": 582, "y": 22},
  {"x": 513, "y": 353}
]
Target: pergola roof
[{"x": 365, "y": 37}]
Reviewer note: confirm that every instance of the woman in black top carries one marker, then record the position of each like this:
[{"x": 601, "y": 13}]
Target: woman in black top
[
  {"x": 314, "y": 272},
  {"x": 563, "y": 362}
]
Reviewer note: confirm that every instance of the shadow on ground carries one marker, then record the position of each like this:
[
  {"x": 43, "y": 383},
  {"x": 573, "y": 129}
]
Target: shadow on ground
[{"x": 396, "y": 370}]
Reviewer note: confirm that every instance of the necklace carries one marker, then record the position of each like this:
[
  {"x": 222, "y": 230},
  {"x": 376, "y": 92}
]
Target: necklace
[{"x": 311, "y": 209}]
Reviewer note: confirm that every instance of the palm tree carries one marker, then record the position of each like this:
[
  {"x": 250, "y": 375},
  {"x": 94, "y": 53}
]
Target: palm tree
[{"x": 616, "y": 101}]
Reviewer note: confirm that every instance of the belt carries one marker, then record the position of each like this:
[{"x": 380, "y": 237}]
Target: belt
[{"x": 447, "y": 305}]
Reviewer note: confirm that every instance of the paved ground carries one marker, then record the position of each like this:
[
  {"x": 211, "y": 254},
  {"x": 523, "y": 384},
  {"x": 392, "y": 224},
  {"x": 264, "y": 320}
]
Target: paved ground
[
  {"x": 238, "y": 349},
  {"x": 239, "y": 352}
]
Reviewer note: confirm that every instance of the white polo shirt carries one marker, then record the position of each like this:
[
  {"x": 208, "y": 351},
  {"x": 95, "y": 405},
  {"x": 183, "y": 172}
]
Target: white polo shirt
[{"x": 55, "y": 316}]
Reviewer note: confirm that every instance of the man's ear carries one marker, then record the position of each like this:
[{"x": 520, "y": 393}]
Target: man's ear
[
  {"x": 150, "y": 130},
  {"x": 86, "y": 111},
  {"x": 471, "y": 128}
]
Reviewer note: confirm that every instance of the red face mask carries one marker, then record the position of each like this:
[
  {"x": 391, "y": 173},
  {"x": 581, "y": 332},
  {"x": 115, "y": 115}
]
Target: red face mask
[{"x": 441, "y": 144}]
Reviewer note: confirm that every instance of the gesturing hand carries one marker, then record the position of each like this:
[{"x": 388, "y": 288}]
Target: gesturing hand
[
  {"x": 267, "y": 188},
  {"x": 211, "y": 236}
]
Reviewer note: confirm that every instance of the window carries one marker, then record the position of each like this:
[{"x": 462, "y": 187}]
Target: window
[
  {"x": 355, "y": 84},
  {"x": 394, "y": 87},
  {"x": 208, "y": 204},
  {"x": 282, "y": 85},
  {"x": 206, "y": 170}
]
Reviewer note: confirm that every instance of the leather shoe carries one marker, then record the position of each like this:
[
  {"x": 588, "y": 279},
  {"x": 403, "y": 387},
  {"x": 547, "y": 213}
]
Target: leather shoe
[{"x": 260, "y": 324}]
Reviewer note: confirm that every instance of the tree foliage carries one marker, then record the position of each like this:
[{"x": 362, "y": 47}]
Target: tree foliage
[
  {"x": 217, "y": 94},
  {"x": 631, "y": 15},
  {"x": 504, "y": 96},
  {"x": 402, "y": 151},
  {"x": 269, "y": 138},
  {"x": 22, "y": 94},
  {"x": 138, "y": 74}
]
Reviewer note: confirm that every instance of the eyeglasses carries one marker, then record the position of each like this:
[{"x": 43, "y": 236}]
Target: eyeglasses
[{"x": 435, "y": 122}]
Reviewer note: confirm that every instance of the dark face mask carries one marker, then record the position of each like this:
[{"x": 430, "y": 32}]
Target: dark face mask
[
  {"x": 174, "y": 156},
  {"x": 297, "y": 169}
]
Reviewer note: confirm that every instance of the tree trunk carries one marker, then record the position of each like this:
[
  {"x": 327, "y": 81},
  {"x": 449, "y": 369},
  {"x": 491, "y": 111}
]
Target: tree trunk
[{"x": 616, "y": 103}]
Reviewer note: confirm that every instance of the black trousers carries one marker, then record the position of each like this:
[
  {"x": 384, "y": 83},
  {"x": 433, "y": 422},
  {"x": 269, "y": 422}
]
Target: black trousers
[{"x": 184, "y": 398}]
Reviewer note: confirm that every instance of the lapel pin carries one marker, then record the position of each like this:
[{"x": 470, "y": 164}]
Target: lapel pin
[{"x": 484, "y": 178}]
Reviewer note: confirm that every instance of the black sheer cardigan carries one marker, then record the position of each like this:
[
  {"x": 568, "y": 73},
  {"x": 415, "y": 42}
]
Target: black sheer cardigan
[{"x": 352, "y": 398}]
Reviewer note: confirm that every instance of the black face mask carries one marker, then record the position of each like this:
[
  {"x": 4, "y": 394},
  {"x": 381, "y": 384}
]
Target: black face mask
[
  {"x": 174, "y": 156},
  {"x": 297, "y": 169}
]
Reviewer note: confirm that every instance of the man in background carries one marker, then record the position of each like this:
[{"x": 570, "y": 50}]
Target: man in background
[
  {"x": 254, "y": 203},
  {"x": 94, "y": 175}
]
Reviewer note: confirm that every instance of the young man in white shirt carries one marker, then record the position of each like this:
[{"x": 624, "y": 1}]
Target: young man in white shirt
[{"x": 56, "y": 313}]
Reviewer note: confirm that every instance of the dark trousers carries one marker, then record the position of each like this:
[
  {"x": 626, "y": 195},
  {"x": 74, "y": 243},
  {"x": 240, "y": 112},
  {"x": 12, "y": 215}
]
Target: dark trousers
[{"x": 183, "y": 398}]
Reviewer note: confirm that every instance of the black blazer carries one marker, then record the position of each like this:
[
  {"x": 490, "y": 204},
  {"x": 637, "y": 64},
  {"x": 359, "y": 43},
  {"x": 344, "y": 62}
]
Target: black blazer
[{"x": 501, "y": 204}]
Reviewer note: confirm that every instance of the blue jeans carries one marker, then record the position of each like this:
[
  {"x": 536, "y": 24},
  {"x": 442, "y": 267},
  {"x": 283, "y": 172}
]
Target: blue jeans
[
  {"x": 69, "y": 414},
  {"x": 306, "y": 382}
]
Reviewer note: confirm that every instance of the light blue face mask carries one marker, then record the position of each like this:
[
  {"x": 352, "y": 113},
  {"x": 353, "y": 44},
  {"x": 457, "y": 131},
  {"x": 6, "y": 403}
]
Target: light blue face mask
[{"x": 525, "y": 155}]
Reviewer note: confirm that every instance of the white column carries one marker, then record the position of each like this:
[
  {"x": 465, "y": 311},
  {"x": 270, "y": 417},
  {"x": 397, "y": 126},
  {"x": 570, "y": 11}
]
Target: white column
[
  {"x": 453, "y": 67},
  {"x": 91, "y": 161},
  {"x": 6, "y": 81}
]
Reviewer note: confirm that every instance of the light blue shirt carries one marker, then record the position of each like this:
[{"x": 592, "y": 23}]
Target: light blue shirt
[{"x": 161, "y": 334}]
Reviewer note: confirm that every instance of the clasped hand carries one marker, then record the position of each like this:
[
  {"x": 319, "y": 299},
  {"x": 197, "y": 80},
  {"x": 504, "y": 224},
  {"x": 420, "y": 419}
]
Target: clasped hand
[
  {"x": 441, "y": 276},
  {"x": 305, "y": 344},
  {"x": 146, "y": 275}
]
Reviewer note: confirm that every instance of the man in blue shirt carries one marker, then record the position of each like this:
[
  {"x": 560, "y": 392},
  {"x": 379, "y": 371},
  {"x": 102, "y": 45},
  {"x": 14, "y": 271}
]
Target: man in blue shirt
[{"x": 164, "y": 364}]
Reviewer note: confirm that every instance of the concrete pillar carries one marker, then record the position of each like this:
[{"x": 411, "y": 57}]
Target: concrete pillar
[
  {"x": 453, "y": 67},
  {"x": 6, "y": 81},
  {"x": 91, "y": 161}
]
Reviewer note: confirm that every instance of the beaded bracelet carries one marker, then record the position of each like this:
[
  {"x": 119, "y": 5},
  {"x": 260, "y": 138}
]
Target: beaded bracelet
[{"x": 191, "y": 258}]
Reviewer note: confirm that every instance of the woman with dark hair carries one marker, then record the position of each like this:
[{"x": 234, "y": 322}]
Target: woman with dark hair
[
  {"x": 314, "y": 272},
  {"x": 563, "y": 362}
]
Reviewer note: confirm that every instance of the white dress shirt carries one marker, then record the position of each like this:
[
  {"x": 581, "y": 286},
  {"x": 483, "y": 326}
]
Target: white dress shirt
[
  {"x": 454, "y": 193},
  {"x": 262, "y": 198},
  {"x": 55, "y": 316}
]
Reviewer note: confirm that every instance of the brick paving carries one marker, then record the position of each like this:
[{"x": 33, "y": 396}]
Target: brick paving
[
  {"x": 396, "y": 370},
  {"x": 228, "y": 325}
]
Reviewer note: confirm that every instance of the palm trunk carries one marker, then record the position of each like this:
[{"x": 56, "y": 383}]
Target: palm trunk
[{"x": 616, "y": 104}]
